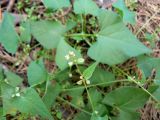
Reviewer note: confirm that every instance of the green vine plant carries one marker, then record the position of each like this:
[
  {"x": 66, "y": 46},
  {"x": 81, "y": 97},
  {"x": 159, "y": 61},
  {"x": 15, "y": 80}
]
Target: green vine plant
[{"x": 84, "y": 49}]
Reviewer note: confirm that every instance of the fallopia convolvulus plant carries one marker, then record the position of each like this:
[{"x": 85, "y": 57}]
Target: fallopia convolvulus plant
[{"x": 90, "y": 38}]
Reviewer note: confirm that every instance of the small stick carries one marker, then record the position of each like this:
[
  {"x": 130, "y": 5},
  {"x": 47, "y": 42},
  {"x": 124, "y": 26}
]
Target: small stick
[{"x": 10, "y": 5}]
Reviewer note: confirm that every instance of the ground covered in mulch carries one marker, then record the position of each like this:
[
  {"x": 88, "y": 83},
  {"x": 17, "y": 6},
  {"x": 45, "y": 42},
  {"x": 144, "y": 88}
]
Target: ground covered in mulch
[{"x": 147, "y": 26}]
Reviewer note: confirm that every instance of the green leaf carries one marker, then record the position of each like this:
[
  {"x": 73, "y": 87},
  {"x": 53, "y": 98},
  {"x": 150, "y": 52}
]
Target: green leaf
[
  {"x": 29, "y": 102},
  {"x": 95, "y": 96},
  {"x": 101, "y": 76},
  {"x": 85, "y": 7},
  {"x": 25, "y": 30},
  {"x": 48, "y": 33},
  {"x": 77, "y": 98},
  {"x": 63, "y": 50},
  {"x": 8, "y": 36},
  {"x": 62, "y": 75},
  {"x": 36, "y": 73},
  {"x": 115, "y": 42},
  {"x": 56, "y": 4},
  {"x": 128, "y": 16},
  {"x": 13, "y": 79},
  {"x": 147, "y": 64},
  {"x": 82, "y": 116},
  {"x": 127, "y": 115},
  {"x": 101, "y": 109},
  {"x": 126, "y": 98},
  {"x": 87, "y": 74},
  {"x": 96, "y": 117},
  {"x": 51, "y": 93}
]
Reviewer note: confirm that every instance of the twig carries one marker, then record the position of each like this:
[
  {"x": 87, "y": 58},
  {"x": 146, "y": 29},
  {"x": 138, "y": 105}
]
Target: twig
[{"x": 10, "y": 5}]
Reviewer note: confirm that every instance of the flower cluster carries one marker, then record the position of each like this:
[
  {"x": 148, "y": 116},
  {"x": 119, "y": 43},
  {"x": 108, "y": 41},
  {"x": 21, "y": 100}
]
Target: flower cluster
[
  {"x": 72, "y": 59},
  {"x": 17, "y": 93},
  {"x": 81, "y": 81}
]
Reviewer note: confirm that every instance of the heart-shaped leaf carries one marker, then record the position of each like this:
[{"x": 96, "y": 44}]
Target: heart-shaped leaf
[{"x": 115, "y": 42}]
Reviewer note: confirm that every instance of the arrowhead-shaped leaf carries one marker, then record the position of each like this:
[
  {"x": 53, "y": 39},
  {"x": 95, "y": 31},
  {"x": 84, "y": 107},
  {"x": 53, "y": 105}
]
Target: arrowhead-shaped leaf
[
  {"x": 56, "y": 4},
  {"x": 8, "y": 36},
  {"x": 87, "y": 74},
  {"x": 115, "y": 42}
]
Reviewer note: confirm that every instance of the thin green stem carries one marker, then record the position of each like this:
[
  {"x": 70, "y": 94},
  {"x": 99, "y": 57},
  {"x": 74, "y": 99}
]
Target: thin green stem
[
  {"x": 74, "y": 106},
  {"x": 94, "y": 85},
  {"x": 134, "y": 81},
  {"x": 84, "y": 82}
]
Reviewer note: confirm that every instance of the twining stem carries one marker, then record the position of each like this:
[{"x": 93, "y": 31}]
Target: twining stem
[
  {"x": 134, "y": 81},
  {"x": 84, "y": 82}
]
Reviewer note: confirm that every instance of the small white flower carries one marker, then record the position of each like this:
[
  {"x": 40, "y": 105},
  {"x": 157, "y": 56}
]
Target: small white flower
[
  {"x": 80, "y": 82},
  {"x": 70, "y": 64},
  {"x": 81, "y": 77},
  {"x": 13, "y": 95},
  {"x": 6, "y": 81},
  {"x": 80, "y": 60},
  {"x": 18, "y": 94},
  {"x": 71, "y": 53},
  {"x": 67, "y": 57},
  {"x": 70, "y": 75},
  {"x": 96, "y": 112},
  {"x": 88, "y": 82},
  {"x": 17, "y": 89}
]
